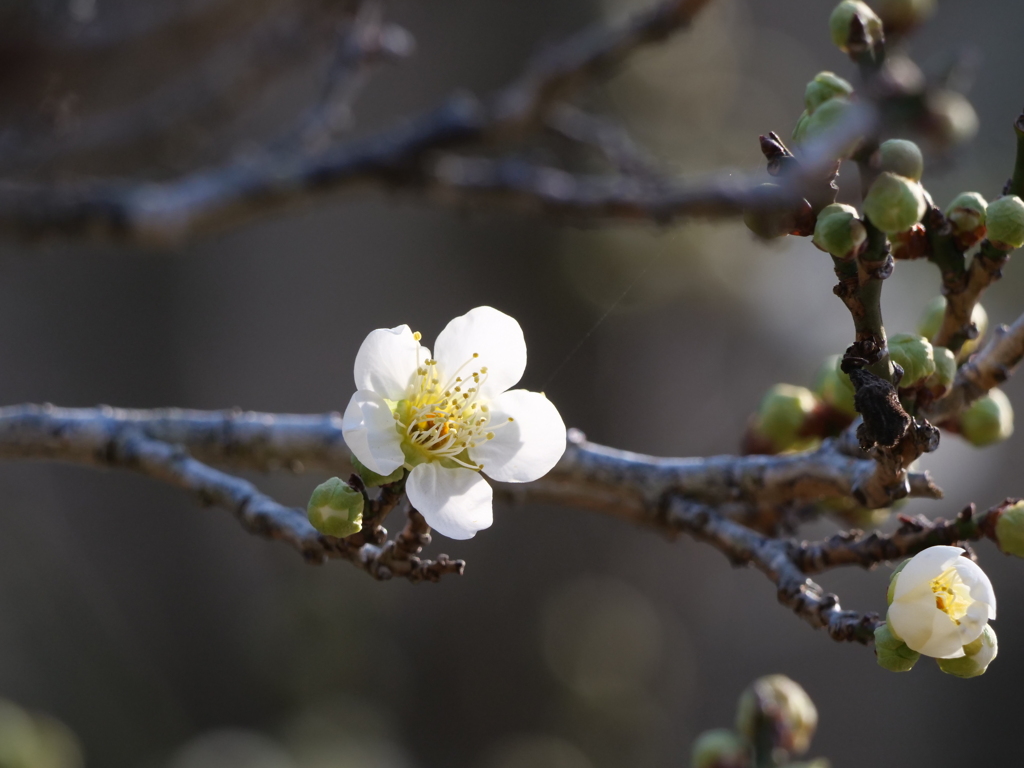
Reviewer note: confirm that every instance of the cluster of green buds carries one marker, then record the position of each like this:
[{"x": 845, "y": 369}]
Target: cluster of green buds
[
  {"x": 775, "y": 719},
  {"x": 336, "y": 508}
]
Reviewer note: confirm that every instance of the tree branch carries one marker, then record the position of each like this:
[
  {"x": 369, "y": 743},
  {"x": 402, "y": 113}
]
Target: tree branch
[
  {"x": 787, "y": 563},
  {"x": 170, "y": 210}
]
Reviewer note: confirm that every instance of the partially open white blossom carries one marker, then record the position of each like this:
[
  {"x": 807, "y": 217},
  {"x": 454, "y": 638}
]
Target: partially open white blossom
[
  {"x": 450, "y": 416},
  {"x": 941, "y": 602}
]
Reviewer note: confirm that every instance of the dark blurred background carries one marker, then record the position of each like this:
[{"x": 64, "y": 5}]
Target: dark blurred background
[{"x": 164, "y": 635}]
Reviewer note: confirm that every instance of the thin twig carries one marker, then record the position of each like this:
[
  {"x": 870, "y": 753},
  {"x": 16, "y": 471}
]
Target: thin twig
[{"x": 168, "y": 211}]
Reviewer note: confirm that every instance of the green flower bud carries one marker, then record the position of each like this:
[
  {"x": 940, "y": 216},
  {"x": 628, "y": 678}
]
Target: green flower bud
[
  {"x": 979, "y": 655},
  {"x": 336, "y": 509},
  {"x": 935, "y": 311},
  {"x": 892, "y": 583},
  {"x": 903, "y": 15},
  {"x": 915, "y": 355},
  {"x": 945, "y": 371},
  {"x": 952, "y": 119},
  {"x": 839, "y": 231},
  {"x": 769, "y": 224},
  {"x": 988, "y": 419},
  {"x": 720, "y": 748},
  {"x": 841, "y": 20},
  {"x": 800, "y": 131},
  {"x": 782, "y": 705},
  {"x": 894, "y": 203},
  {"x": 892, "y": 653},
  {"x": 371, "y": 479},
  {"x": 1010, "y": 530},
  {"x": 782, "y": 414},
  {"x": 1006, "y": 222},
  {"x": 902, "y": 157},
  {"x": 966, "y": 214},
  {"x": 825, "y": 86},
  {"x": 826, "y": 117},
  {"x": 834, "y": 387}
]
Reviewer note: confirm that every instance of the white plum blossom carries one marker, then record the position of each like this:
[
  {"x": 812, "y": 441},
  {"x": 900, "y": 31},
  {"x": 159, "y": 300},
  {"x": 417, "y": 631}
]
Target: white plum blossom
[
  {"x": 450, "y": 416},
  {"x": 941, "y": 602}
]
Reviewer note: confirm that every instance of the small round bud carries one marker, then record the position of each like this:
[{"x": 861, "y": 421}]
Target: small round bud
[
  {"x": 720, "y": 748},
  {"x": 966, "y": 214},
  {"x": 371, "y": 479},
  {"x": 777, "y": 703},
  {"x": 839, "y": 231},
  {"x": 901, "y": 157},
  {"x": 894, "y": 203},
  {"x": 935, "y": 311},
  {"x": 951, "y": 119},
  {"x": 336, "y": 509},
  {"x": 899, "y": 16},
  {"x": 826, "y": 117},
  {"x": 825, "y": 86},
  {"x": 1010, "y": 530},
  {"x": 892, "y": 653},
  {"x": 977, "y": 656},
  {"x": 834, "y": 387},
  {"x": 1005, "y": 221},
  {"x": 945, "y": 371},
  {"x": 915, "y": 355},
  {"x": 840, "y": 24},
  {"x": 783, "y": 412},
  {"x": 769, "y": 224},
  {"x": 988, "y": 420}
]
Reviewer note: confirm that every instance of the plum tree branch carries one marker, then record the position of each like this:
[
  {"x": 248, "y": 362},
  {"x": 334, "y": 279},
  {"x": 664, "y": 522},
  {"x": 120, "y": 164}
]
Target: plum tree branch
[{"x": 398, "y": 156}]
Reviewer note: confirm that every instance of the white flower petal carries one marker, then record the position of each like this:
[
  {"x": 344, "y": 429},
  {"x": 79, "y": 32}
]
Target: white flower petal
[
  {"x": 495, "y": 337},
  {"x": 925, "y": 629},
  {"x": 923, "y": 567},
  {"x": 978, "y": 582},
  {"x": 369, "y": 431},
  {"x": 973, "y": 623},
  {"x": 454, "y": 502},
  {"x": 387, "y": 360},
  {"x": 527, "y": 447}
]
